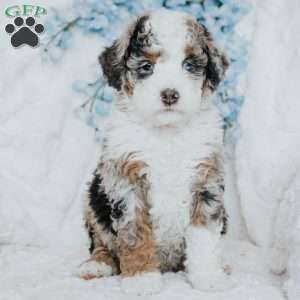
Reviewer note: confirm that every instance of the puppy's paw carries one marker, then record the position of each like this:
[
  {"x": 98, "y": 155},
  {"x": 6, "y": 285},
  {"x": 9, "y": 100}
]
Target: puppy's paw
[
  {"x": 212, "y": 282},
  {"x": 94, "y": 269},
  {"x": 143, "y": 284}
]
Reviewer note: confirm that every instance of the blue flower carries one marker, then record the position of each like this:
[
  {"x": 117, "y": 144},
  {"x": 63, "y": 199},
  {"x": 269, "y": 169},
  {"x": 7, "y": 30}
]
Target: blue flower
[
  {"x": 175, "y": 3},
  {"x": 97, "y": 23},
  {"x": 90, "y": 120},
  {"x": 80, "y": 86},
  {"x": 102, "y": 108},
  {"x": 65, "y": 40},
  {"x": 107, "y": 94}
]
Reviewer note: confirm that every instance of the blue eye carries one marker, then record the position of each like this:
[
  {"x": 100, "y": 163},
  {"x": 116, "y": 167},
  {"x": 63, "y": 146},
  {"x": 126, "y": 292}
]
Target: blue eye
[
  {"x": 188, "y": 66},
  {"x": 146, "y": 68}
]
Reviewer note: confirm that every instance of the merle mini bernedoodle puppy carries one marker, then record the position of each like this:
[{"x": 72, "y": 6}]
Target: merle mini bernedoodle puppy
[{"x": 155, "y": 202}]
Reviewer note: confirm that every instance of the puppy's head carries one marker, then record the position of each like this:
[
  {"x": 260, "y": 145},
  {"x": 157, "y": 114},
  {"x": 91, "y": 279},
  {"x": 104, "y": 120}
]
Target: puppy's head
[{"x": 163, "y": 65}]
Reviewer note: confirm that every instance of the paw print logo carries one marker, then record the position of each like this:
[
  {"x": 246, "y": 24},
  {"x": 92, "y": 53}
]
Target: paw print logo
[{"x": 24, "y": 34}]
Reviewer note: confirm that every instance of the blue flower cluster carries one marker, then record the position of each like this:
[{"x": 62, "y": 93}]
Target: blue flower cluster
[{"x": 96, "y": 17}]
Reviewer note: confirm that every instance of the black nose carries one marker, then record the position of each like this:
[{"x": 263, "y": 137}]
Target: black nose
[{"x": 169, "y": 96}]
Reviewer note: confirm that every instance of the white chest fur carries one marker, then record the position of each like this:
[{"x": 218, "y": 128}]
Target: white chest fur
[
  {"x": 170, "y": 175},
  {"x": 171, "y": 155}
]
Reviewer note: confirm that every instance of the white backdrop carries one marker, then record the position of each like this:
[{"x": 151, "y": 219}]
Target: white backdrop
[
  {"x": 46, "y": 156},
  {"x": 268, "y": 156}
]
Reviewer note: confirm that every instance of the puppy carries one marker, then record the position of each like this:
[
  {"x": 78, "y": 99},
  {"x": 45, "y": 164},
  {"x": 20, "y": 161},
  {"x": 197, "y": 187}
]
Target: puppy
[{"x": 155, "y": 202}]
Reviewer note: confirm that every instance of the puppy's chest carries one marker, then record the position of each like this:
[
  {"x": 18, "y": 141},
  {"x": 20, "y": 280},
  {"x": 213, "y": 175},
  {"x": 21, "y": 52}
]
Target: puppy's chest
[
  {"x": 171, "y": 173},
  {"x": 171, "y": 160}
]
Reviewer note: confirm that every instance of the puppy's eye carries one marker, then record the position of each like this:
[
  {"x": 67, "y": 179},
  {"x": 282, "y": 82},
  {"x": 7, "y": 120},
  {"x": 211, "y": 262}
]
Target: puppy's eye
[
  {"x": 195, "y": 65},
  {"x": 146, "y": 68},
  {"x": 188, "y": 66}
]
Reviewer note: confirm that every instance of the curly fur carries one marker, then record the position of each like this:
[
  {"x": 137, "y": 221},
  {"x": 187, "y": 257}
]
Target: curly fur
[{"x": 158, "y": 188}]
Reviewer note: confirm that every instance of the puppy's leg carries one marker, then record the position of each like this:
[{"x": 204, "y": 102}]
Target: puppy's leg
[
  {"x": 208, "y": 222},
  {"x": 135, "y": 243},
  {"x": 136, "y": 246},
  {"x": 138, "y": 261},
  {"x": 98, "y": 225},
  {"x": 100, "y": 263}
]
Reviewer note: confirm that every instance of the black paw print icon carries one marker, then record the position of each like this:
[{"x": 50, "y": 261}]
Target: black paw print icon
[{"x": 22, "y": 34}]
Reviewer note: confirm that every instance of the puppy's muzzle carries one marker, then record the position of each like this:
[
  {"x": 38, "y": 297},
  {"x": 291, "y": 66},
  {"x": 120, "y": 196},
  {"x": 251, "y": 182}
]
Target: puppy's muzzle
[{"x": 169, "y": 96}]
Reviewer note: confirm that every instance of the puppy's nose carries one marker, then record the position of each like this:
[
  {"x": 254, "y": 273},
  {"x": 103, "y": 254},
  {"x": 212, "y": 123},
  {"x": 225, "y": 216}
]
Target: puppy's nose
[{"x": 169, "y": 96}]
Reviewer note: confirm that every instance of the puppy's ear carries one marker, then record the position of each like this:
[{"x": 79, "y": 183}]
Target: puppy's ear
[
  {"x": 113, "y": 59},
  {"x": 217, "y": 65},
  {"x": 113, "y": 62}
]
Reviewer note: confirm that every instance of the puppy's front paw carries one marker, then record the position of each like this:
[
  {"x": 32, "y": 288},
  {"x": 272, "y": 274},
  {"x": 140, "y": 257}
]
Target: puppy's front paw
[
  {"x": 143, "y": 284},
  {"x": 94, "y": 269},
  {"x": 211, "y": 282}
]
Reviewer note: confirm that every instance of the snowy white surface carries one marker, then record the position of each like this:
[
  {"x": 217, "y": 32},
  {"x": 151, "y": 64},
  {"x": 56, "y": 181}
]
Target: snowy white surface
[
  {"x": 268, "y": 157},
  {"x": 40, "y": 273},
  {"x": 46, "y": 156}
]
